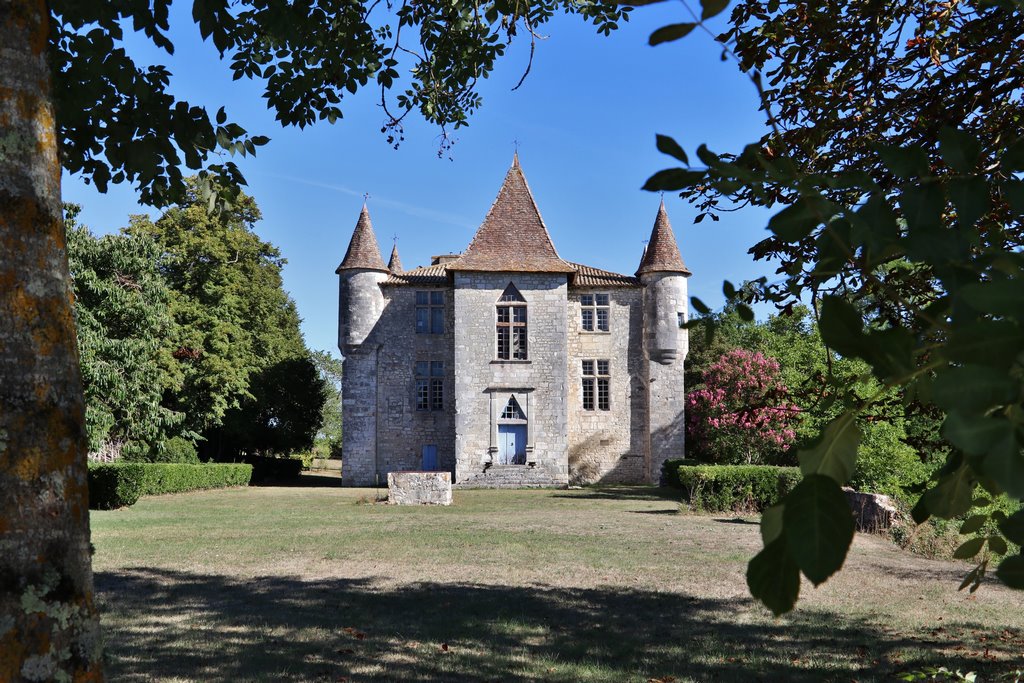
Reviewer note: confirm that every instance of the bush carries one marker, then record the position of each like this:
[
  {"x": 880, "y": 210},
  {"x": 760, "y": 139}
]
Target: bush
[
  {"x": 670, "y": 471},
  {"x": 176, "y": 450},
  {"x": 267, "y": 467},
  {"x": 114, "y": 485},
  {"x": 745, "y": 488},
  {"x": 885, "y": 464}
]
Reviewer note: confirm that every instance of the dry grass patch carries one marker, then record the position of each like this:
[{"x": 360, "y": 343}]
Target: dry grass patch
[{"x": 611, "y": 584}]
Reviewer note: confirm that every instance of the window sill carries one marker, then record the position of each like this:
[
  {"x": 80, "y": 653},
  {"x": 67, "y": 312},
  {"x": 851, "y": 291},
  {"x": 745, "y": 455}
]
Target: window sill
[
  {"x": 595, "y": 332},
  {"x": 511, "y": 362}
]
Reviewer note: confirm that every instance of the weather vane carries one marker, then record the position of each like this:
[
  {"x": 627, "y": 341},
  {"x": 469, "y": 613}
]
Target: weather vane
[{"x": 366, "y": 197}]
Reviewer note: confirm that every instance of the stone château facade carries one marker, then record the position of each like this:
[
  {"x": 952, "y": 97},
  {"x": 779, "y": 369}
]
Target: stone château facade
[{"x": 508, "y": 366}]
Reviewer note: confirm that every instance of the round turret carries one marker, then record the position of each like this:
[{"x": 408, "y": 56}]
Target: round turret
[
  {"x": 665, "y": 296},
  {"x": 360, "y": 298}
]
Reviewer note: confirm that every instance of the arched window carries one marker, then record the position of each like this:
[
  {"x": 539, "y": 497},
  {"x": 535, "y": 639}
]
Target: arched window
[{"x": 511, "y": 325}]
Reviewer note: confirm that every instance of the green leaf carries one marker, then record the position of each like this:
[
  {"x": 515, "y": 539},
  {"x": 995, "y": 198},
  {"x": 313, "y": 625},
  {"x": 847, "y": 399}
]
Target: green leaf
[
  {"x": 1012, "y": 527},
  {"x": 818, "y": 526},
  {"x": 890, "y": 352},
  {"x": 771, "y": 523},
  {"x": 699, "y": 305},
  {"x": 745, "y": 312},
  {"x": 960, "y": 150},
  {"x": 904, "y": 162},
  {"x": 834, "y": 452},
  {"x": 952, "y": 495},
  {"x": 1004, "y": 463},
  {"x": 972, "y": 389},
  {"x": 1013, "y": 192},
  {"x": 667, "y": 145},
  {"x": 710, "y": 8},
  {"x": 673, "y": 179},
  {"x": 969, "y": 549},
  {"x": 999, "y": 297},
  {"x": 1010, "y": 572},
  {"x": 974, "y": 434},
  {"x": 1013, "y": 157},
  {"x": 922, "y": 208},
  {"x": 671, "y": 32},
  {"x": 797, "y": 220},
  {"x": 973, "y": 523},
  {"x": 995, "y": 343},
  {"x": 971, "y": 198},
  {"x": 773, "y": 577},
  {"x": 841, "y": 326}
]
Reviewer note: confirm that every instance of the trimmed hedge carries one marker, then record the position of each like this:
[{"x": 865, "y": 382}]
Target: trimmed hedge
[
  {"x": 670, "y": 471},
  {"x": 114, "y": 485},
  {"x": 719, "y": 488}
]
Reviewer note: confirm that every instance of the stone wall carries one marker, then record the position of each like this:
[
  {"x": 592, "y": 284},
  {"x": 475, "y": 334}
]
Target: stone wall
[
  {"x": 609, "y": 446},
  {"x": 359, "y": 415},
  {"x": 665, "y": 301},
  {"x": 404, "y": 430},
  {"x": 420, "y": 488},
  {"x": 483, "y": 384}
]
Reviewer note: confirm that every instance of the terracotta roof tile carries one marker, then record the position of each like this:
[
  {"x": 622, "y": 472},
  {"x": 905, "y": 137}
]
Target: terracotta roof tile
[
  {"x": 422, "y": 276},
  {"x": 363, "y": 251},
  {"x": 586, "y": 276},
  {"x": 662, "y": 253},
  {"x": 395, "y": 263},
  {"x": 513, "y": 237}
]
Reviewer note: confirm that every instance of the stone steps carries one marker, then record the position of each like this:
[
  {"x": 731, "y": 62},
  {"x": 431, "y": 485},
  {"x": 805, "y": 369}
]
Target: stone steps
[{"x": 509, "y": 477}]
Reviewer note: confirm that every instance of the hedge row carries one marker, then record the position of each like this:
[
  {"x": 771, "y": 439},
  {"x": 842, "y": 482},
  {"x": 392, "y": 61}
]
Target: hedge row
[
  {"x": 717, "y": 488},
  {"x": 670, "y": 471},
  {"x": 114, "y": 485}
]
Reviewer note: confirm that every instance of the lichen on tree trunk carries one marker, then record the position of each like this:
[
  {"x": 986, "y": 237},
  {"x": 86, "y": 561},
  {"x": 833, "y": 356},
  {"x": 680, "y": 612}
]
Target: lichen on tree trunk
[{"x": 49, "y": 627}]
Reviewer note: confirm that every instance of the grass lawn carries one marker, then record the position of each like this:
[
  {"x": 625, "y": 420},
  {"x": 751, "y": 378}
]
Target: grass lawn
[{"x": 612, "y": 584}]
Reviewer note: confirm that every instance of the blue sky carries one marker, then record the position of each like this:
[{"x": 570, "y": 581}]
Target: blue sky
[{"x": 584, "y": 119}]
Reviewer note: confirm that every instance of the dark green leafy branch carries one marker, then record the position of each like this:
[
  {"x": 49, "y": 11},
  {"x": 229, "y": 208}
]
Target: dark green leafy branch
[
  {"x": 895, "y": 157},
  {"x": 117, "y": 121}
]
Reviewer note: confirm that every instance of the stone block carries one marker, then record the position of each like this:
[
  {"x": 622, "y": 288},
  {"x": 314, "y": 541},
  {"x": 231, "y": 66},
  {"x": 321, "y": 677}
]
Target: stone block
[
  {"x": 873, "y": 511},
  {"x": 420, "y": 488}
]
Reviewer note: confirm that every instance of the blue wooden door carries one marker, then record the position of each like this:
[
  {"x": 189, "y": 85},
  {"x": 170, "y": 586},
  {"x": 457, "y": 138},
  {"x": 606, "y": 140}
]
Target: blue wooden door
[
  {"x": 512, "y": 444},
  {"x": 429, "y": 458}
]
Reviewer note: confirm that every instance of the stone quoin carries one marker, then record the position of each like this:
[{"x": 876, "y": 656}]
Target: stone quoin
[{"x": 508, "y": 366}]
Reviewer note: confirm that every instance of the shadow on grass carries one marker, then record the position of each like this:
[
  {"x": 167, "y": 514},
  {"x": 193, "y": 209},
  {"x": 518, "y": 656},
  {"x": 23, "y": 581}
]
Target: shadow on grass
[
  {"x": 624, "y": 493},
  {"x": 305, "y": 480},
  {"x": 166, "y": 624}
]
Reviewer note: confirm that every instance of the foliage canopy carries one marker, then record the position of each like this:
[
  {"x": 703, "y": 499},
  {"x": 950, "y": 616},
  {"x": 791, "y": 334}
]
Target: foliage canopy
[{"x": 896, "y": 154}]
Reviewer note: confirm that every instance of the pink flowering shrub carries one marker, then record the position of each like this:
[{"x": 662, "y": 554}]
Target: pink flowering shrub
[{"x": 741, "y": 414}]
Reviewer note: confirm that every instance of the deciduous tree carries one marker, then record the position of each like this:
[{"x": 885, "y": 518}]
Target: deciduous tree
[
  {"x": 897, "y": 155},
  {"x": 71, "y": 96}
]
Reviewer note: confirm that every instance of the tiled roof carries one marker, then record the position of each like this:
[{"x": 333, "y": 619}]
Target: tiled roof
[
  {"x": 513, "y": 237},
  {"x": 395, "y": 263},
  {"x": 586, "y": 276},
  {"x": 662, "y": 254},
  {"x": 424, "y": 275},
  {"x": 363, "y": 251}
]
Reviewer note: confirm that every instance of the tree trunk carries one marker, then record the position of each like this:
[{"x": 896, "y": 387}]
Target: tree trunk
[{"x": 49, "y": 627}]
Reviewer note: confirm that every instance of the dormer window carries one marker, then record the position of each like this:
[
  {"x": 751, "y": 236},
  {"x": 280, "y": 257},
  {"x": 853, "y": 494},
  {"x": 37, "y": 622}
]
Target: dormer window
[
  {"x": 595, "y": 311},
  {"x": 511, "y": 325}
]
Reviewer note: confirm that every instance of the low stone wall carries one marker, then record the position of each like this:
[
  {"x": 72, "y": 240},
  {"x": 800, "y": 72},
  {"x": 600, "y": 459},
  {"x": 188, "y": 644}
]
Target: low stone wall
[
  {"x": 872, "y": 511},
  {"x": 420, "y": 488}
]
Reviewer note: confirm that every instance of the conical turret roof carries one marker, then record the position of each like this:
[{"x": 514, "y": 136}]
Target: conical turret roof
[
  {"x": 363, "y": 251},
  {"x": 513, "y": 236},
  {"x": 395, "y": 263},
  {"x": 662, "y": 253}
]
